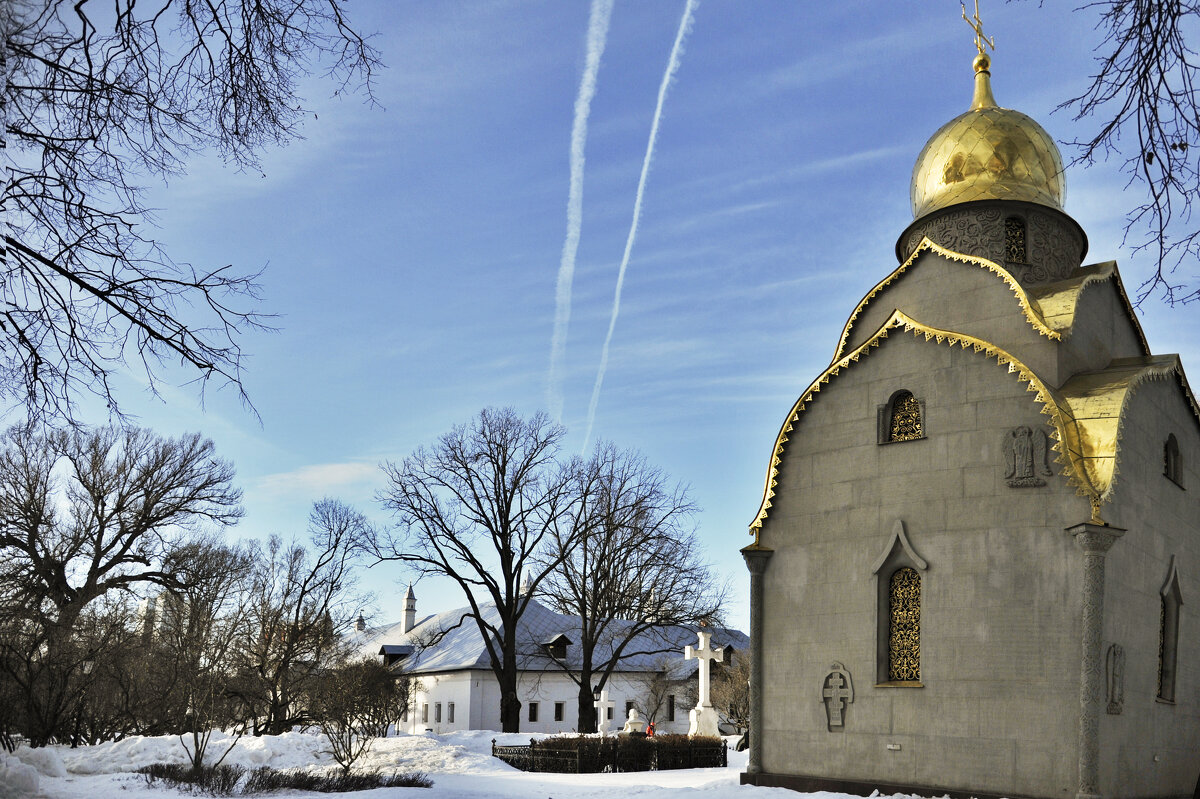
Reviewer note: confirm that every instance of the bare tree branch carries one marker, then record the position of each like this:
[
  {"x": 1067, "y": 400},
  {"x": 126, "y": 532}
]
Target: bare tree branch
[
  {"x": 629, "y": 569},
  {"x": 1144, "y": 98},
  {"x": 100, "y": 98},
  {"x": 479, "y": 507}
]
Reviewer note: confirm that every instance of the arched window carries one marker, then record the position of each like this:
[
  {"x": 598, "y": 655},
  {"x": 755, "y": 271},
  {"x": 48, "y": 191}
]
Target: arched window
[
  {"x": 898, "y": 580},
  {"x": 1168, "y": 634},
  {"x": 1014, "y": 240},
  {"x": 901, "y": 419},
  {"x": 904, "y": 626},
  {"x": 1172, "y": 463}
]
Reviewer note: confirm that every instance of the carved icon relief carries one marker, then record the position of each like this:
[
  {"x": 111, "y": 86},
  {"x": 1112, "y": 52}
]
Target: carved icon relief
[
  {"x": 1025, "y": 461},
  {"x": 1116, "y": 679},
  {"x": 837, "y": 692}
]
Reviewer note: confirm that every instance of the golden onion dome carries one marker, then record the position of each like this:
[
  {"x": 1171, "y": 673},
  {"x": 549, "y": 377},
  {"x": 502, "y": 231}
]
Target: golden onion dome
[{"x": 988, "y": 153}]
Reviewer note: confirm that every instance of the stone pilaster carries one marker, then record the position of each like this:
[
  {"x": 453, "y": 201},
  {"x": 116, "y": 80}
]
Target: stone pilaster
[
  {"x": 1095, "y": 540},
  {"x": 756, "y": 561}
]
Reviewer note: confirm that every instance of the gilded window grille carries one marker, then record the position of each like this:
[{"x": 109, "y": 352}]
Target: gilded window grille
[
  {"x": 904, "y": 633},
  {"x": 906, "y": 419},
  {"x": 1014, "y": 240}
]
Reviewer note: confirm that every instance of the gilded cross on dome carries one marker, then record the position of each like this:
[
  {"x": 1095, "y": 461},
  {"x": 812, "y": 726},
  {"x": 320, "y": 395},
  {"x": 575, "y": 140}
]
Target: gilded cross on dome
[{"x": 977, "y": 26}]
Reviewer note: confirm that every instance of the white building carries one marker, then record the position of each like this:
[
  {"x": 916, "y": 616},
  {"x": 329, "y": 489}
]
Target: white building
[{"x": 458, "y": 690}]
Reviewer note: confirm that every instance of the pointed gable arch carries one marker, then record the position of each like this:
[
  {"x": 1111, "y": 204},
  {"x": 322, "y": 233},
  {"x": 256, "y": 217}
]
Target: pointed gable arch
[
  {"x": 1067, "y": 441},
  {"x": 1029, "y": 305},
  {"x": 1099, "y": 404},
  {"x": 1060, "y": 301},
  {"x": 899, "y": 547}
]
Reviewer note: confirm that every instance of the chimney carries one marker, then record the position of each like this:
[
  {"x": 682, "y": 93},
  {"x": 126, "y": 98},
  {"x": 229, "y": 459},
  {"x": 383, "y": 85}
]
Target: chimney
[
  {"x": 410, "y": 610},
  {"x": 361, "y": 624}
]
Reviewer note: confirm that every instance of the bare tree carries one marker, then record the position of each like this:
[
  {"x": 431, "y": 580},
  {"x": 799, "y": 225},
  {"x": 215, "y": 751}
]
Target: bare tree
[
  {"x": 83, "y": 514},
  {"x": 730, "y": 691},
  {"x": 349, "y": 702},
  {"x": 630, "y": 569},
  {"x": 300, "y": 600},
  {"x": 480, "y": 507},
  {"x": 1144, "y": 98},
  {"x": 101, "y": 97}
]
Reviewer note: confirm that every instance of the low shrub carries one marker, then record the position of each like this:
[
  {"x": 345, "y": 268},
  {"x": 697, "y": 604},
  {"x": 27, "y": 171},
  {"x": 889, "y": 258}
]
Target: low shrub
[
  {"x": 224, "y": 780},
  {"x": 215, "y": 780},
  {"x": 587, "y": 754},
  {"x": 265, "y": 779}
]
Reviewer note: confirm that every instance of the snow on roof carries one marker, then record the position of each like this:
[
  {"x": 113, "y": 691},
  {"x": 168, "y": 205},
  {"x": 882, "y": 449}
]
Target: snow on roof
[{"x": 451, "y": 641}]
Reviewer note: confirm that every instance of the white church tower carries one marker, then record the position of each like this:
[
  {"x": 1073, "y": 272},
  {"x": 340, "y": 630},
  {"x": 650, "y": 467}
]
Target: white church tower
[{"x": 410, "y": 610}]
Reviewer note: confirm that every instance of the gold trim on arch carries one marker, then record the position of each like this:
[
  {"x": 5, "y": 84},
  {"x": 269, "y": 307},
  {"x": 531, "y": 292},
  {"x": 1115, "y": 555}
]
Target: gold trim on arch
[
  {"x": 1098, "y": 402},
  {"x": 1067, "y": 440},
  {"x": 1028, "y": 304},
  {"x": 1059, "y": 301}
]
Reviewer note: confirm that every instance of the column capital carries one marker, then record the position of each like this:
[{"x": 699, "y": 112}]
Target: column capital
[
  {"x": 756, "y": 558},
  {"x": 1093, "y": 537}
]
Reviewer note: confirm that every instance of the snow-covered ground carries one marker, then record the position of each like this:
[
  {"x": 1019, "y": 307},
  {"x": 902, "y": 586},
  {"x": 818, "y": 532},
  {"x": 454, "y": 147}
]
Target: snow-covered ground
[{"x": 460, "y": 765}]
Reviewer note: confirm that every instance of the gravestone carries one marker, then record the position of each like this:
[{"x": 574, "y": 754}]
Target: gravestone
[
  {"x": 634, "y": 724},
  {"x": 603, "y": 705},
  {"x": 703, "y": 718}
]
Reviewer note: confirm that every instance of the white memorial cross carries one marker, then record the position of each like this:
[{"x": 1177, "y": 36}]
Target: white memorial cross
[
  {"x": 705, "y": 655},
  {"x": 603, "y": 705}
]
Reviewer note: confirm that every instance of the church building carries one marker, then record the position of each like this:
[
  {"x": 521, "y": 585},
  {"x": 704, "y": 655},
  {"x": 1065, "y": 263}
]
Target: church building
[{"x": 979, "y": 538}]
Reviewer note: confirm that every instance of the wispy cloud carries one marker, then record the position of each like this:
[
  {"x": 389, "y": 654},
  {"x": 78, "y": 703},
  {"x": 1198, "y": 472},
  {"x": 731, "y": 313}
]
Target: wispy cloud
[
  {"x": 597, "y": 36},
  {"x": 317, "y": 480},
  {"x": 852, "y": 57},
  {"x": 685, "y": 25}
]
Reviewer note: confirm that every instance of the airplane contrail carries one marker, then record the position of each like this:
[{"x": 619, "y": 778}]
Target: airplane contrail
[
  {"x": 685, "y": 25},
  {"x": 597, "y": 36}
]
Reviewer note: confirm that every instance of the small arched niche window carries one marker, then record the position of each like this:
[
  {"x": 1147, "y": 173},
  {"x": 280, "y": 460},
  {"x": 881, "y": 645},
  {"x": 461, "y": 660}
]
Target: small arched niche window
[
  {"x": 1172, "y": 461},
  {"x": 899, "y": 582},
  {"x": 902, "y": 418},
  {"x": 1014, "y": 240},
  {"x": 1168, "y": 634}
]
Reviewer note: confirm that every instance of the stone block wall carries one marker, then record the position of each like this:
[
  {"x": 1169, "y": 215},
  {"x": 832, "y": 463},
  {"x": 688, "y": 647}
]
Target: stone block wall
[{"x": 1000, "y": 609}]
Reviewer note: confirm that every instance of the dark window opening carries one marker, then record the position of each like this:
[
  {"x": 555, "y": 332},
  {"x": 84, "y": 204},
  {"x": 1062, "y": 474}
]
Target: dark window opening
[
  {"x": 1014, "y": 240},
  {"x": 1172, "y": 461}
]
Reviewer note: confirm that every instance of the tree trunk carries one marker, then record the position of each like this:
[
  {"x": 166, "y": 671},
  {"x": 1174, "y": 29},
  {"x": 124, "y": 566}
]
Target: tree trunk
[
  {"x": 587, "y": 708},
  {"x": 510, "y": 703},
  {"x": 510, "y": 709}
]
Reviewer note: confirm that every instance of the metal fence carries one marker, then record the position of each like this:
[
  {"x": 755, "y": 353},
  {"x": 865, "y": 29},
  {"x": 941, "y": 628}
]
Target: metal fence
[{"x": 591, "y": 755}]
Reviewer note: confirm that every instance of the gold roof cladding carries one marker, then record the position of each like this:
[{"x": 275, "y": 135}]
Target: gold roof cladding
[
  {"x": 987, "y": 153},
  {"x": 1059, "y": 301},
  {"x": 1097, "y": 402}
]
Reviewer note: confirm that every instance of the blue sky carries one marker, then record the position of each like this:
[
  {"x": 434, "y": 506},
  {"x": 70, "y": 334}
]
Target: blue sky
[{"x": 412, "y": 249}]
